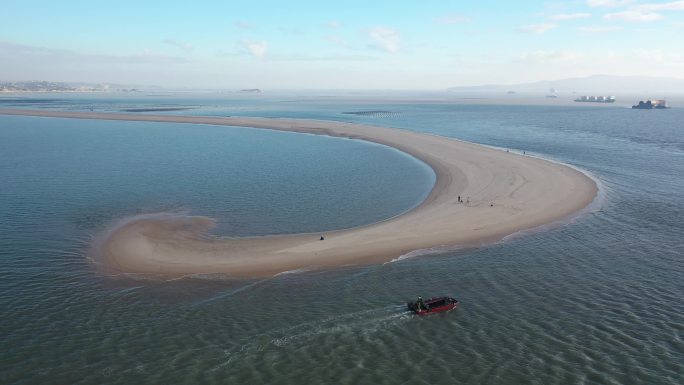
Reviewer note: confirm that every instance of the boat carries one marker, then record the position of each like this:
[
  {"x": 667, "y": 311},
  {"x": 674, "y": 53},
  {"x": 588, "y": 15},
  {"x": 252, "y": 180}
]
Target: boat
[
  {"x": 651, "y": 104},
  {"x": 432, "y": 305},
  {"x": 596, "y": 99}
]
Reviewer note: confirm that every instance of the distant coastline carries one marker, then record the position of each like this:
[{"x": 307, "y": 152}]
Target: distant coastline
[
  {"x": 46, "y": 86},
  {"x": 480, "y": 195}
]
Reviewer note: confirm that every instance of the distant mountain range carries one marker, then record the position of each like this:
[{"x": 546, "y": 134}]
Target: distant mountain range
[{"x": 599, "y": 84}]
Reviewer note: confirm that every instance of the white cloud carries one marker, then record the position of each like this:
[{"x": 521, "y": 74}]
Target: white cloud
[
  {"x": 600, "y": 29},
  {"x": 42, "y": 55},
  {"x": 386, "y": 39},
  {"x": 646, "y": 12},
  {"x": 292, "y": 29},
  {"x": 338, "y": 41},
  {"x": 537, "y": 28},
  {"x": 608, "y": 3},
  {"x": 634, "y": 16},
  {"x": 243, "y": 24},
  {"x": 660, "y": 57},
  {"x": 671, "y": 6},
  {"x": 320, "y": 58},
  {"x": 28, "y": 62},
  {"x": 452, "y": 19},
  {"x": 255, "y": 48},
  {"x": 333, "y": 24},
  {"x": 550, "y": 56},
  {"x": 179, "y": 44},
  {"x": 570, "y": 16}
]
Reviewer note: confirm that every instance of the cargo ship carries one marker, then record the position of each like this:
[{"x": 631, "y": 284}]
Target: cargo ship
[
  {"x": 596, "y": 99},
  {"x": 651, "y": 104}
]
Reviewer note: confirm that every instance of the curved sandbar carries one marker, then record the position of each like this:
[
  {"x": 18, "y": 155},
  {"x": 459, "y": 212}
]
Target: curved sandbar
[{"x": 507, "y": 193}]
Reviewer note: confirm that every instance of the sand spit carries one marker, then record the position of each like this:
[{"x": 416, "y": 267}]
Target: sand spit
[{"x": 502, "y": 193}]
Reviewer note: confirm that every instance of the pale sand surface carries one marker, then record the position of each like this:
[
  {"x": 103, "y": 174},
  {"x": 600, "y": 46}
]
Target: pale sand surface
[{"x": 526, "y": 192}]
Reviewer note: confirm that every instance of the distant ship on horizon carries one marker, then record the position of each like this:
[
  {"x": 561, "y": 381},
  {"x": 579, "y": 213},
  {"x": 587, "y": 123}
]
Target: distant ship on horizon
[
  {"x": 596, "y": 99},
  {"x": 651, "y": 104}
]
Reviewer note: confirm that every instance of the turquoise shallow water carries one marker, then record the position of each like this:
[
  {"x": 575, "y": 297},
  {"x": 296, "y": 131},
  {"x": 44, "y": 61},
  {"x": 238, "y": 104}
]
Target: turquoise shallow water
[
  {"x": 255, "y": 182},
  {"x": 597, "y": 301}
]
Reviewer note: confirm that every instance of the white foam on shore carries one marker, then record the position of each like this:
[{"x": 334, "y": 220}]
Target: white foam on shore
[
  {"x": 295, "y": 271},
  {"x": 424, "y": 252}
]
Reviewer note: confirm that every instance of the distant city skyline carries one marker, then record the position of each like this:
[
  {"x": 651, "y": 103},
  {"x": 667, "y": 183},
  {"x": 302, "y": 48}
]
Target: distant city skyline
[{"x": 347, "y": 45}]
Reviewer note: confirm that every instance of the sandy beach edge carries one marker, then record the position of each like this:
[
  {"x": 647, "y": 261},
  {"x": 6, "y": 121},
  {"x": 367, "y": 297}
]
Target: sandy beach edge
[{"x": 501, "y": 194}]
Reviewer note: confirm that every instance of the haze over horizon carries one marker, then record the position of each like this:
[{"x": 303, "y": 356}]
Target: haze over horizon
[{"x": 350, "y": 45}]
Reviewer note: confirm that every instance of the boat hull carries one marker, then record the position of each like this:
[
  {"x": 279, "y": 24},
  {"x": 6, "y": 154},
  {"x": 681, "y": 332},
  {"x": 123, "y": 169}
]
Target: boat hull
[{"x": 433, "y": 305}]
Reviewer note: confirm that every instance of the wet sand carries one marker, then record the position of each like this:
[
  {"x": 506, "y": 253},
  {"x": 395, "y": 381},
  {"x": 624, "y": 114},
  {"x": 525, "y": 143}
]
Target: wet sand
[{"x": 503, "y": 193}]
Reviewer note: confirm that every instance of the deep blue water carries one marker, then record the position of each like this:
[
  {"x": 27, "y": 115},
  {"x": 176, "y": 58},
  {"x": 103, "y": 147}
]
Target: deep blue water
[{"x": 597, "y": 301}]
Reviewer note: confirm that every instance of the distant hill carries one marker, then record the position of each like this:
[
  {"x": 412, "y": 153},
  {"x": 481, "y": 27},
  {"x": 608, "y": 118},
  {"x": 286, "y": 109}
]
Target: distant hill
[{"x": 600, "y": 84}]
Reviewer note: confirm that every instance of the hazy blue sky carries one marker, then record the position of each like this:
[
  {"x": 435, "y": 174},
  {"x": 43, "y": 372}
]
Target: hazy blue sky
[{"x": 346, "y": 44}]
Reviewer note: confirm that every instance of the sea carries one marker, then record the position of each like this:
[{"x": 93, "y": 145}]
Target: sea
[{"x": 598, "y": 299}]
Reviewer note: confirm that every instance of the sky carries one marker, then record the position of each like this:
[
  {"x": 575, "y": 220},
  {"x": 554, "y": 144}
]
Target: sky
[{"x": 350, "y": 44}]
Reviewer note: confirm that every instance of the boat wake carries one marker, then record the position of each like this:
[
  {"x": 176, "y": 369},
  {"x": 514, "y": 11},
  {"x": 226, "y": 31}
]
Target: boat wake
[{"x": 363, "y": 324}]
